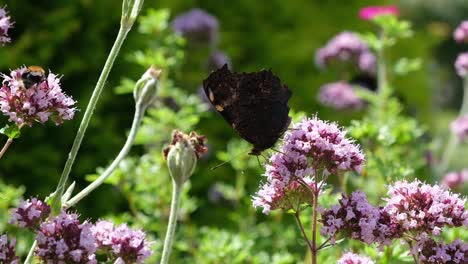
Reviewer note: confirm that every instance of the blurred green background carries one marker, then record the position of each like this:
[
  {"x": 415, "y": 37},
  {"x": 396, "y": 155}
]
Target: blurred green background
[{"x": 73, "y": 37}]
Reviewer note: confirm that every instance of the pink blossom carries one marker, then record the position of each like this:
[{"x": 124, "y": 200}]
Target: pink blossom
[
  {"x": 370, "y": 12},
  {"x": 455, "y": 179},
  {"x": 5, "y": 25},
  {"x": 461, "y": 32},
  {"x": 351, "y": 258},
  {"x": 7, "y": 250},
  {"x": 30, "y": 213},
  {"x": 459, "y": 127},
  {"x": 37, "y": 103},
  {"x": 340, "y": 95},
  {"x": 461, "y": 64},
  {"x": 430, "y": 251}
]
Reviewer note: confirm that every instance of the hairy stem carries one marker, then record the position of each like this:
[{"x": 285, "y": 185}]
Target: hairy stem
[
  {"x": 87, "y": 116},
  {"x": 171, "y": 226},
  {"x": 122, "y": 154}
]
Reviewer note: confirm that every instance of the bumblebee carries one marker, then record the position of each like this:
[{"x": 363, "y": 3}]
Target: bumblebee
[{"x": 33, "y": 75}]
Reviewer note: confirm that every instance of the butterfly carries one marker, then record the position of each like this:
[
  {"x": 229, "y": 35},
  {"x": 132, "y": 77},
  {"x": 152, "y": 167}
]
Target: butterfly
[{"x": 254, "y": 104}]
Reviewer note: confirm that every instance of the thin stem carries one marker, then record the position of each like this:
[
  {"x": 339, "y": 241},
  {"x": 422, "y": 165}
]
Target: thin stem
[
  {"x": 5, "y": 147},
  {"x": 382, "y": 83},
  {"x": 452, "y": 141},
  {"x": 301, "y": 227},
  {"x": 123, "y": 31},
  {"x": 415, "y": 258},
  {"x": 171, "y": 226},
  {"x": 31, "y": 253},
  {"x": 324, "y": 244},
  {"x": 122, "y": 154},
  {"x": 314, "y": 225}
]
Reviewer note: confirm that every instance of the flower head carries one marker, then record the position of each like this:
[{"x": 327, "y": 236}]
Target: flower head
[
  {"x": 425, "y": 208},
  {"x": 431, "y": 251},
  {"x": 461, "y": 64},
  {"x": 197, "y": 25},
  {"x": 370, "y": 12},
  {"x": 340, "y": 95},
  {"x": 5, "y": 25},
  {"x": 351, "y": 258},
  {"x": 355, "y": 217},
  {"x": 30, "y": 213},
  {"x": 455, "y": 179},
  {"x": 122, "y": 243},
  {"x": 217, "y": 60},
  {"x": 312, "y": 147},
  {"x": 7, "y": 250},
  {"x": 461, "y": 32},
  {"x": 26, "y": 104},
  {"x": 459, "y": 127},
  {"x": 346, "y": 48},
  {"x": 64, "y": 239}
]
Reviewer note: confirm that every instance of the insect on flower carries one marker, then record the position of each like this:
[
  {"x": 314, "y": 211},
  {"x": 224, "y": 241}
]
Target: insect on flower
[{"x": 33, "y": 76}]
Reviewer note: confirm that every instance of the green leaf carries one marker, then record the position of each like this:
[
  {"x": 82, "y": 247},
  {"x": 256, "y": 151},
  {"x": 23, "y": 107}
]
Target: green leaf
[{"x": 12, "y": 131}]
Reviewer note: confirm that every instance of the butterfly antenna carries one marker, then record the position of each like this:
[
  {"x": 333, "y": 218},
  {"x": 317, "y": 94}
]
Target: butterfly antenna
[
  {"x": 227, "y": 161},
  {"x": 259, "y": 163}
]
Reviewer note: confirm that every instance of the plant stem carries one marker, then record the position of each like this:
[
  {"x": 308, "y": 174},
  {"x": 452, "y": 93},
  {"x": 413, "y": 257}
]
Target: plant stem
[
  {"x": 171, "y": 226},
  {"x": 5, "y": 147},
  {"x": 31, "y": 253},
  {"x": 382, "y": 83},
  {"x": 452, "y": 141},
  {"x": 314, "y": 224},
  {"x": 122, "y": 154},
  {"x": 301, "y": 227},
  {"x": 123, "y": 31}
]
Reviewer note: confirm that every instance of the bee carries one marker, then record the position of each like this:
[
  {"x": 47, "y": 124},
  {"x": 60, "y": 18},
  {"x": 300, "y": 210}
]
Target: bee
[{"x": 33, "y": 75}]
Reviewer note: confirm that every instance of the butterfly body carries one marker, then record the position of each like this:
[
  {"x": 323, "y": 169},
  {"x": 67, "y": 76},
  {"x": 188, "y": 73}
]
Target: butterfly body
[{"x": 254, "y": 104}]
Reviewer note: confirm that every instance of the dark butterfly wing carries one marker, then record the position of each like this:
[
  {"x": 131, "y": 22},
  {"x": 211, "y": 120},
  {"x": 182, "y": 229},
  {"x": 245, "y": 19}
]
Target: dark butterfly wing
[{"x": 254, "y": 104}]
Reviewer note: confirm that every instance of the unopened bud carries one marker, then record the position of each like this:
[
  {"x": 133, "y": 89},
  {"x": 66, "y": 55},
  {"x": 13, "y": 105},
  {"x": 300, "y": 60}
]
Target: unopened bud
[
  {"x": 182, "y": 154},
  {"x": 147, "y": 87}
]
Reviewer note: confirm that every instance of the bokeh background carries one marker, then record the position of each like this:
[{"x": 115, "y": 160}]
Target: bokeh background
[{"x": 73, "y": 38}]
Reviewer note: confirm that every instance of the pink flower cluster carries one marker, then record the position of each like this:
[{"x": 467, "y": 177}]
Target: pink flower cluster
[
  {"x": 30, "y": 213},
  {"x": 348, "y": 48},
  {"x": 7, "y": 250},
  {"x": 5, "y": 25},
  {"x": 370, "y": 12},
  {"x": 431, "y": 251},
  {"x": 36, "y": 103},
  {"x": 455, "y": 179},
  {"x": 351, "y": 258},
  {"x": 355, "y": 217},
  {"x": 459, "y": 127},
  {"x": 64, "y": 239},
  {"x": 461, "y": 64},
  {"x": 311, "y": 147},
  {"x": 340, "y": 95},
  {"x": 415, "y": 206},
  {"x": 461, "y": 32},
  {"x": 124, "y": 244}
]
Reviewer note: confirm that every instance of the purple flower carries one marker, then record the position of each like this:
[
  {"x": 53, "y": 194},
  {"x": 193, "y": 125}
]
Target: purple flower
[
  {"x": 197, "y": 26},
  {"x": 356, "y": 218},
  {"x": 351, "y": 258},
  {"x": 346, "y": 48},
  {"x": 425, "y": 208},
  {"x": 455, "y": 179},
  {"x": 340, "y": 95},
  {"x": 461, "y": 64},
  {"x": 459, "y": 127},
  {"x": 431, "y": 251},
  {"x": 217, "y": 60},
  {"x": 311, "y": 146},
  {"x": 461, "y": 32},
  {"x": 122, "y": 243},
  {"x": 7, "y": 251},
  {"x": 64, "y": 239},
  {"x": 5, "y": 25},
  {"x": 30, "y": 213},
  {"x": 36, "y": 103}
]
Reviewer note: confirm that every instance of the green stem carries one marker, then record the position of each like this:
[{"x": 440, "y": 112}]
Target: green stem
[
  {"x": 301, "y": 227},
  {"x": 87, "y": 116},
  {"x": 452, "y": 141},
  {"x": 171, "y": 226},
  {"x": 122, "y": 154},
  {"x": 382, "y": 82},
  {"x": 31, "y": 253}
]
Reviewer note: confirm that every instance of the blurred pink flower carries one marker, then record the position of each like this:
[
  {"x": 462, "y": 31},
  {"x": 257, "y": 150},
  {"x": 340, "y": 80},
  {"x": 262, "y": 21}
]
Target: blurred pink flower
[
  {"x": 5, "y": 25},
  {"x": 461, "y": 64},
  {"x": 369, "y": 12},
  {"x": 351, "y": 258},
  {"x": 455, "y": 179},
  {"x": 459, "y": 127},
  {"x": 340, "y": 95},
  {"x": 461, "y": 32}
]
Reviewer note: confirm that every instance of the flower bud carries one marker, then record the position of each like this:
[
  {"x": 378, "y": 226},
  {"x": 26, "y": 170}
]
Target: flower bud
[
  {"x": 182, "y": 154},
  {"x": 146, "y": 88}
]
